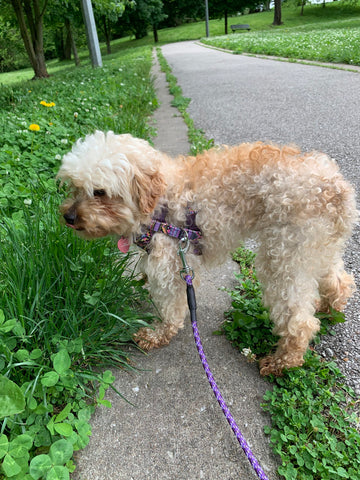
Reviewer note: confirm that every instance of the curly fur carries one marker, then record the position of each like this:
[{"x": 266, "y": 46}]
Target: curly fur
[{"x": 297, "y": 206}]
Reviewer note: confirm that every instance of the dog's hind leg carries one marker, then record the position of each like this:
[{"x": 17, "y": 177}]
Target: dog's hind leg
[
  {"x": 288, "y": 269},
  {"x": 335, "y": 288},
  {"x": 168, "y": 292}
]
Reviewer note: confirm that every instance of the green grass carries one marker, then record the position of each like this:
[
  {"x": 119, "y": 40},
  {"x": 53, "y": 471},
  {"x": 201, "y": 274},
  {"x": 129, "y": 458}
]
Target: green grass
[
  {"x": 66, "y": 307},
  {"x": 326, "y": 45}
]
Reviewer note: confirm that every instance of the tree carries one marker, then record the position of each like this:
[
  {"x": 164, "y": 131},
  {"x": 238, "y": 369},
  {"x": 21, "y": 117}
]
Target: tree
[
  {"x": 277, "y": 13},
  {"x": 30, "y": 15},
  {"x": 68, "y": 19},
  {"x": 108, "y": 11},
  {"x": 182, "y": 11},
  {"x": 139, "y": 16}
]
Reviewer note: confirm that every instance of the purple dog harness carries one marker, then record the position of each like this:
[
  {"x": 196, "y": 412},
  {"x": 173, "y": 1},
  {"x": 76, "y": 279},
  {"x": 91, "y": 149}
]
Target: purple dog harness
[{"x": 159, "y": 225}]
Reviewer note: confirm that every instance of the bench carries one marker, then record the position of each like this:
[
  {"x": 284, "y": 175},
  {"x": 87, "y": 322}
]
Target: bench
[{"x": 240, "y": 27}]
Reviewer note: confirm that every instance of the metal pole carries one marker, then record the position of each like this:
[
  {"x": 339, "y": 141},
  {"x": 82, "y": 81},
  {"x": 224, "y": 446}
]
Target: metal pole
[
  {"x": 91, "y": 33},
  {"x": 207, "y": 17}
]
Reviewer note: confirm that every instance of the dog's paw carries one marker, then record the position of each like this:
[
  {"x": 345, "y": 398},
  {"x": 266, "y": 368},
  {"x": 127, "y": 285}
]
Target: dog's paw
[
  {"x": 147, "y": 339},
  {"x": 273, "y": 364}
]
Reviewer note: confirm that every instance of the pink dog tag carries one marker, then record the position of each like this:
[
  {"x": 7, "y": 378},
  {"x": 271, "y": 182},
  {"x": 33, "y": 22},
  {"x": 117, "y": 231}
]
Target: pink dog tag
[{"x": 123, "y": 245}]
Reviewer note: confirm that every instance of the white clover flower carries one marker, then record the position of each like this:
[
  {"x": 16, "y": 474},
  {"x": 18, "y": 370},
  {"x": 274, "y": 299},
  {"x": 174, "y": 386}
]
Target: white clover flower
[
  {"x": 27, "y": 201},
  {"x": 64, "y": 141},
  {"x": 76, "y": 114},
  {"x": 57, "y": 157}
]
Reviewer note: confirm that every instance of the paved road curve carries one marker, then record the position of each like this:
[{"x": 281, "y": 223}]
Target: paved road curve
[{"x": 238, "y": 98}]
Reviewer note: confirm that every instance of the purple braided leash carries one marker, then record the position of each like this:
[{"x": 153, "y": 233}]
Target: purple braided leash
[{"x": 244, "y": 445}]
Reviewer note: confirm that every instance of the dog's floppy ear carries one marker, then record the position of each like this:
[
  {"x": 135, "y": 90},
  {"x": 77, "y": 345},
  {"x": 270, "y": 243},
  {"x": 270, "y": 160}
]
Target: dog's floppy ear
[{"x": 148, "y": 188}]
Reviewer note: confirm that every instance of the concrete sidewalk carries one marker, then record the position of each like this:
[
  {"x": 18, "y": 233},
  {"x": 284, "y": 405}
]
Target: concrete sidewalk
[{"x": 177, "y": 431}]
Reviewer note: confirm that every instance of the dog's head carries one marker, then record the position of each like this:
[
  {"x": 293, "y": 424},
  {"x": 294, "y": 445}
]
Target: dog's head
[{"x": 115, "y": 183}]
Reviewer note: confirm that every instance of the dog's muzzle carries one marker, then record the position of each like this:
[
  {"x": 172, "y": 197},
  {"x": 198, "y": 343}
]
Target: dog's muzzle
[{"x": 70, "y": 217}]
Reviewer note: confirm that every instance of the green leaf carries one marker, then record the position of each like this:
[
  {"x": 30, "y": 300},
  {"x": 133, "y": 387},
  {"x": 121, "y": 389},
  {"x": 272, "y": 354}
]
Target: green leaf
[
  {"x": 39, "y": 466},
  {"x": 4, "y": 445},
  {"x": 64, "y": 429},
  {"x": 342, "y": 472},
  {"x": 12, "y": 400},
  {"x": 20, "y": 446},
  {"x": 64, "y": 413},
  {"x": 31, "y": 402},
  {"x": 35, "y": 354},
  {"x": 58, "y": 473},
  {"x": 10, "y": 466},
  {"x": 22, "y": 355},
  {"x": 61, "y": 452},
  {"x": 108, "y": 377},
  {"x": 106, "y": 403},
  {"x": 8, "y": 326},
  {"x": 50, "y": 379},
  {"x": 61, "y": 361}
]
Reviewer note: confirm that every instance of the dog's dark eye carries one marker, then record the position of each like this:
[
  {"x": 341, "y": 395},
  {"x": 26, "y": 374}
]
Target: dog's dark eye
[{"x": 99, "y": 193}]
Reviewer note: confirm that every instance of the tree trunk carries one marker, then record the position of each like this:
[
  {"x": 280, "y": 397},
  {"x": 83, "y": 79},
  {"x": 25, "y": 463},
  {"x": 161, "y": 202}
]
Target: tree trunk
[
  {"x": 33, "y": 34},
  {"x": 71, "y": 40},
  {"x": 59, "y": 43},
  {"x": 156, "y": 36},
  {"x": 226, "y": 21},
  {"x": 277, "y": 13},
  {"x": 74, "y": 50},
  {"x": 107, "y": 35},
  {"x": 67, "y": 46}
]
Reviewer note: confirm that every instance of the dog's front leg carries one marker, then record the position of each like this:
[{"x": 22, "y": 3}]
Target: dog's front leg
[{"x": 168, "y": 291}]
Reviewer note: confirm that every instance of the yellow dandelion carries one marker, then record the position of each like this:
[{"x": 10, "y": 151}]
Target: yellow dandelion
[
  {"x": 34, "y": 127},
  {"x": 46, "y": 104}
]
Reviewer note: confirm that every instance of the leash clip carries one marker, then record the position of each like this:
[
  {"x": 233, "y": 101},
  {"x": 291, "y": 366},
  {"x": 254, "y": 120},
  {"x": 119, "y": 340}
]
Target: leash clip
[{"x": 184, "y": 244}]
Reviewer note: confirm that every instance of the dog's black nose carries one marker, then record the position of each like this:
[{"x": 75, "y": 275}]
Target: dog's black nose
[{"x": 70, "y": 217}]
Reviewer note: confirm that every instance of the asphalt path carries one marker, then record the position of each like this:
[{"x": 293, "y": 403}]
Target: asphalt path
[{"x": 238, "y": 98}]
